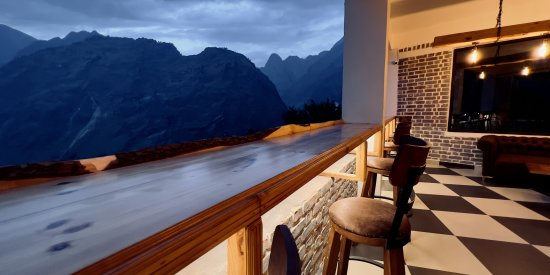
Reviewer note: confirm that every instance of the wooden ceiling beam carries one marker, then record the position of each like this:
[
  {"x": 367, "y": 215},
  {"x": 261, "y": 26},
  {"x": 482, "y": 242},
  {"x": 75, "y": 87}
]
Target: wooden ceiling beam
[{"x": 490, "y": 35}]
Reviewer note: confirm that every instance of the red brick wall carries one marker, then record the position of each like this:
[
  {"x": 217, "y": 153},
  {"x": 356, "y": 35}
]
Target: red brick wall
[{"x": 424, "y": 93}]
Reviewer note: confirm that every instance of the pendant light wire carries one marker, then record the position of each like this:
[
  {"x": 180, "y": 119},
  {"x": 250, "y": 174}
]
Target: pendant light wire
[
  {"x": 499, "y": 20},
  {"x": 499, "y": 28}
]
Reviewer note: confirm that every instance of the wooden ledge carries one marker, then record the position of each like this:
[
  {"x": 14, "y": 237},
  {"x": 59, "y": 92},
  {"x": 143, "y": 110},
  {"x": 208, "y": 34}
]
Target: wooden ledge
[{"x": 489, "y": 35}]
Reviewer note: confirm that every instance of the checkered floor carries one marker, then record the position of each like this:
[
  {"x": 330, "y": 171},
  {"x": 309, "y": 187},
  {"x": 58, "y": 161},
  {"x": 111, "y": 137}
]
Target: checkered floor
[{"x": 463, "y": 227}]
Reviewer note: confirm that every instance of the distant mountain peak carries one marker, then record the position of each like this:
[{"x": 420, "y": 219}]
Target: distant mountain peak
[
  {"x": 274, "y": 59},
  {"x": 12, "y": 41},
  {"x": 81, "y": 35},
  {"x": 338, "y": 44},
  {"x": 316, "y": 77}
]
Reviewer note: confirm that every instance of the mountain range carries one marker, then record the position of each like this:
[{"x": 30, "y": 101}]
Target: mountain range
[
  {"x": 315, "y": 78},
  {"x": 88, "y": 95}
]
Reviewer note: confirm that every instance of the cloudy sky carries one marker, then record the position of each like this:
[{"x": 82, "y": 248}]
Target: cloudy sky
[{"x": 255, "y": 28}]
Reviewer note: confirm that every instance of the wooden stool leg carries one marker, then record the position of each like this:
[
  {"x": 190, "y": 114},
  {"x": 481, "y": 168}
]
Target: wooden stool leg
[
  {"x": 394, "y": 262},
  {"x": 345, "y": 247},
  {"x": 370, "y": 186},
  {"x": 395, "y": 195},
  {"x": 331, "y": 252}
]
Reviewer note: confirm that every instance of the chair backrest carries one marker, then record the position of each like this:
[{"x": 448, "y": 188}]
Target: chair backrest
[
  {"x": 402, "y": 129},
  {"x": 408, "y": 166},
  {"x": 284, "y": 258},
  {"x": 407, "y": 119},
  {"x": 412, "y": 152}
]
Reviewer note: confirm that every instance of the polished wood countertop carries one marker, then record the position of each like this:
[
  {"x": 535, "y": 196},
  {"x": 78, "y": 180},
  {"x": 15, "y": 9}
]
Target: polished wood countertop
[{"x": 143, "y": 218}]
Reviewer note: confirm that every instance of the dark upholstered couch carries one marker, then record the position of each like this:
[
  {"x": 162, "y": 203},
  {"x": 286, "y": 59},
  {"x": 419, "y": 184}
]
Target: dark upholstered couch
[{"x": 507, "y": 156}]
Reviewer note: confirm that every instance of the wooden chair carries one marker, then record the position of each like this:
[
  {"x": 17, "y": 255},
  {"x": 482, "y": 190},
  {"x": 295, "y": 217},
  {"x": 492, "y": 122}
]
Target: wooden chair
[
  {"x": 374, "y": 222},
  {"x": 284, "y": 258},
  {"x": 402, "y": 129}
]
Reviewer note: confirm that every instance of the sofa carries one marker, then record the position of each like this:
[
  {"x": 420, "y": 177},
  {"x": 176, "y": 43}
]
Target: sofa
[{"x": 506, "y": 157}]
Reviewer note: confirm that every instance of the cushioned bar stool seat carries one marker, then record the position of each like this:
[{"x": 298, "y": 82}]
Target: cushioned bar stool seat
[
  {"x": 368, "y": 218},
  {"x": 380, "y": 164},
  {"x": 375, "y": 165},
  {"x": 390, "y": 146},
  {"x": 374, "y": 222}
]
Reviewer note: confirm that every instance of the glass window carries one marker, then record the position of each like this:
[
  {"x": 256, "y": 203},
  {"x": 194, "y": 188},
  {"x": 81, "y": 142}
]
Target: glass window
[{"x": 502, "y": 88}]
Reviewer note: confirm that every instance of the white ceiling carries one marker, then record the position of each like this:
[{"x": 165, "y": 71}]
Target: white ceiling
[{"x": 415, "y": 22}]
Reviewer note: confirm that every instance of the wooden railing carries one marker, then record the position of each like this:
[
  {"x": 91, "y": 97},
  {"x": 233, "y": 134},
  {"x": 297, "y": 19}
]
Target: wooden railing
[
  {"x": 161, "y": 216},
  {"x": 362, "y": 152}
]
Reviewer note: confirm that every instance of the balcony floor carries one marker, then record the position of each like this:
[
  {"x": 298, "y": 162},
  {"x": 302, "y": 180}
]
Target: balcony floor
[{"x": 463, "y": 227}]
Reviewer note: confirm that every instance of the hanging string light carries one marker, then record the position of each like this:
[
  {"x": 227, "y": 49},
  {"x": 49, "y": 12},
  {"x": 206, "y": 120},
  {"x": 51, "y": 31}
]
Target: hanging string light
[
  {"x": 474, "y": 55},
  {"x": 482, "y": 75},
  {"x": 525, "y": 71},
  {"x": 542, "y": 50}
]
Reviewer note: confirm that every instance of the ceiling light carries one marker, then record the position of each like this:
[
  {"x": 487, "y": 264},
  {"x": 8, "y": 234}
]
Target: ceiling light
[
  {"x": 482, "y": 75},
  {"x": 474, "y": 56},
  {"x": 542, "y": 50},
  {"x": 525, "y": 71}
]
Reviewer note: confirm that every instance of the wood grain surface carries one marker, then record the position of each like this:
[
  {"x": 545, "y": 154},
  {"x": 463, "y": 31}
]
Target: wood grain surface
[{"x": 160, "y": 216}]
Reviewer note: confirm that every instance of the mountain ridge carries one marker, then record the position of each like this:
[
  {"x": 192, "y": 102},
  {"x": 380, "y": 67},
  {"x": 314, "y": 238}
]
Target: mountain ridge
[
  {"x": 108, "y": 95},
  {"x": 314, "y": 78},
  {"x": 70, "y": 38}
]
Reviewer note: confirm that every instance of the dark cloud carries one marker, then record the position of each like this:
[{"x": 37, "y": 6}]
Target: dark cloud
[{"x": 253, "y": 27}]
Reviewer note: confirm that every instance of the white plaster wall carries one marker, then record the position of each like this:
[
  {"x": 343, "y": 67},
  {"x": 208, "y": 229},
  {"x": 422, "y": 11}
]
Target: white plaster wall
[{"x": 364, "y": 61}]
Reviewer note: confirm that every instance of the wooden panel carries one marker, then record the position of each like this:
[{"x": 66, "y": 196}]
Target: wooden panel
[
  {"x": 361, "y": 162},
  {"x": 339, "y": 175},
  {"x": 236, "y": 261},
  {"x": 161, "y": 216},
  {"x": 489, "y": 35},
  {"x": 244, "y": 250},
  {"x": 253, "y": 242}
]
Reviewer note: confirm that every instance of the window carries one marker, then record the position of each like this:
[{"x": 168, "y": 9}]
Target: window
[{"x": 502, "y": 88}]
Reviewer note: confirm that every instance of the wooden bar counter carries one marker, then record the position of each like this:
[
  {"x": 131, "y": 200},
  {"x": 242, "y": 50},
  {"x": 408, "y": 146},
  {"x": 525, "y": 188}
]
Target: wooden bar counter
[{"x": 161, "y": 216}]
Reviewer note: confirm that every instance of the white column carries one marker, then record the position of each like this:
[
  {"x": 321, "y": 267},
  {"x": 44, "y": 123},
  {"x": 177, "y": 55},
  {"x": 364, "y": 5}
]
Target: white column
[
  {"x": 365, "y": 59},
  {"x": 392, "y": 81}
]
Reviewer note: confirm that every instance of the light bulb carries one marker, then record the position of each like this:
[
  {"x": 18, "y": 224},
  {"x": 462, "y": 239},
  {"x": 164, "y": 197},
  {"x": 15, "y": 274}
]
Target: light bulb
[
  {"x": 482, "y": 75},
  {"x": 542, "y": 51},
  {"x": 525, "y": 71},
  {"x": 474, "y": 56}
]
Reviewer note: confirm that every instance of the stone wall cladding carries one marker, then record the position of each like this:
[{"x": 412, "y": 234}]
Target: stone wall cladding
[
  {"x": 424, "y": 92},
  {"x": 309, "y": 223}
]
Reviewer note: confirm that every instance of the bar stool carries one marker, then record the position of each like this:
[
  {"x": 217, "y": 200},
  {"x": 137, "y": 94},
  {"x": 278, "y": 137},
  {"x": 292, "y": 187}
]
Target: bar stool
[
  {"x": 374, "y": 222},
  {"x": 402, "y": 129}
]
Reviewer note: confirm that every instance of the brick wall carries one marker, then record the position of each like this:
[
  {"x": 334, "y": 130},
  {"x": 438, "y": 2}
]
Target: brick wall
[{"x": 424, "y": 93}]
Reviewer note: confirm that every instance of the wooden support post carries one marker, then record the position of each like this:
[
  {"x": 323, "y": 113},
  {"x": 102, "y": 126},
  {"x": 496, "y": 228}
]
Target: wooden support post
[
  {"x": 244, "y": 250},
  {"x": 361, "y": 162},
  {"x": 378, "y": 141}
]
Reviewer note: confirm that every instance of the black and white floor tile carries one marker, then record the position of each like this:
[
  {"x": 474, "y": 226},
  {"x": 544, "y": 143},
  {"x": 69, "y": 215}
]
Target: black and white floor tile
[{"x": 461, "y": 226}]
